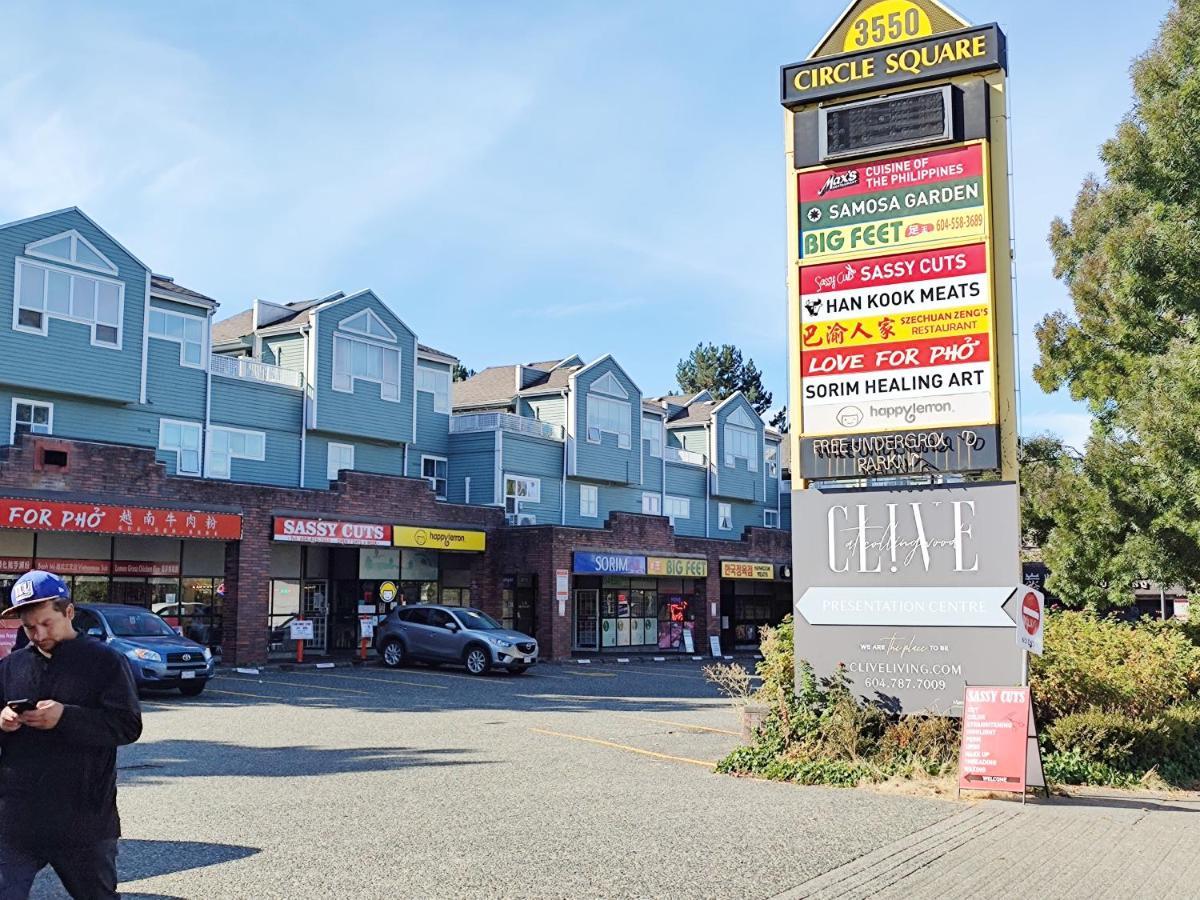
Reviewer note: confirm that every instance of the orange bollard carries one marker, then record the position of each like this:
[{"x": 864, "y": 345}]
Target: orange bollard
[{"x": 300, "y": 644}]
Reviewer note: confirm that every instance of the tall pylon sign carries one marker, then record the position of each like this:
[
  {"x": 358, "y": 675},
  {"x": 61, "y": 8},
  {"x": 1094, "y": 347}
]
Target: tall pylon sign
[{"x": 901, "y": 353}]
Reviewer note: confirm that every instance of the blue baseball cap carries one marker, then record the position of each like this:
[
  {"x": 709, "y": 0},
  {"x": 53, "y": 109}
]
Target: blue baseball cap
[{"x": 35, "y": 587}]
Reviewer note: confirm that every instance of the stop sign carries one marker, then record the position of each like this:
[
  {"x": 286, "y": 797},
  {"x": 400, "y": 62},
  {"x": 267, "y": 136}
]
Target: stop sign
[{"x": 1031, "y": 613}]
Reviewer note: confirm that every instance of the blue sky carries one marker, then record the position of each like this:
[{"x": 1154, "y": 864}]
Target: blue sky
[{"x": 520, "y": 180}]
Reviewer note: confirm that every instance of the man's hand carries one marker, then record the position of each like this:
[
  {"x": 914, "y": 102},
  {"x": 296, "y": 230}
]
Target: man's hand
[
  {"x": 45, "y": 717},
  {"x": 9, "y": 720}
]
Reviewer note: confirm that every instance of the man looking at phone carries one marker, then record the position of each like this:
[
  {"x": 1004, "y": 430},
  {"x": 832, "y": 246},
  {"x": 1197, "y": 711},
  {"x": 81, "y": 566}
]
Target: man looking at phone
[{"x": 68, "y": 702}]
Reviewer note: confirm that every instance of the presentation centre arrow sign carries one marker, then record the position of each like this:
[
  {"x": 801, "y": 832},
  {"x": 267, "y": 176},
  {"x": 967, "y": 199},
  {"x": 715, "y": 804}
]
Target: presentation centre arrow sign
[{"x": 946, "y": 607}]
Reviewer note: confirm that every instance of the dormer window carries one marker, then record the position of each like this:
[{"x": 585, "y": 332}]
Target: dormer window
[
  {"x": 73, "y": 248},
  {"x": 368, "y": 324},
  {"x": 608, "y": 410},
  {"x": 741, "y": 440},
  {"x": 359, "y": 355}
]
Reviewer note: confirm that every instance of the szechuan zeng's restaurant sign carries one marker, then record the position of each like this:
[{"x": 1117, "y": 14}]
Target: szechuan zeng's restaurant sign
[
  {"x": 894, "y": 204},
  {"x": 99, "y": 518},
  {"x": 955, "y": 53}
]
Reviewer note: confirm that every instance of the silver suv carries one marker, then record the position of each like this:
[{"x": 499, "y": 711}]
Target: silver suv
[{"x": 452, "y": 634}]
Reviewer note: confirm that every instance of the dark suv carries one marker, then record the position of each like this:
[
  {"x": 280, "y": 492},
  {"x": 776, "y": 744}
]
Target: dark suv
[{"x": 452, "y": 634}]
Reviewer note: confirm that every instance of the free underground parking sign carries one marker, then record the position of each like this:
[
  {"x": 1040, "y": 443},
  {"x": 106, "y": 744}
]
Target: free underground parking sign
[{"x": 1030, "y": 626}]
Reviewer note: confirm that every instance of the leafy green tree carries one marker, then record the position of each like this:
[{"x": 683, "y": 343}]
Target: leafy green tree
[
  {"x": 722, "y": 371},
  {"x": 1131, "y": 347},
  {"x": 780, "y": 421}
]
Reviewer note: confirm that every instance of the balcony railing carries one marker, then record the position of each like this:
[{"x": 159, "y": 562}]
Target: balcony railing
[
  {"x": 687, "y": 457},
  {"x": 248, "y": 369},
  {"x": 477, "y": 422}
]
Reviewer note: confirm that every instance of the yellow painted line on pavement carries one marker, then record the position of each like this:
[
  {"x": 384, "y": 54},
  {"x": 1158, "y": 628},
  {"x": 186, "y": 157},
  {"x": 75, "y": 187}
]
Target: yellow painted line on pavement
[
  {"x": 317, "y": 687},
  {"x": 424, "y": 684},
  {"x": 708, "y": 764},
  {"x": 654, "y": 672},
  {"x": 283, "y": 700},
  {"x": 681, "y": 724}
]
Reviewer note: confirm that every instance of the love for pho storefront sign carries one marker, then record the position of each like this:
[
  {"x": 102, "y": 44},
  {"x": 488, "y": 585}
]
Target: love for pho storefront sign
[{"x": 912, "y": 590}]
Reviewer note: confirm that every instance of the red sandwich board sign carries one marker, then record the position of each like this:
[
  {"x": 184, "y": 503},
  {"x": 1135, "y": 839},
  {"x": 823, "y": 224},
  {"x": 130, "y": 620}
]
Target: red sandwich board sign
[
  {"x": 999, "y": 749},
  {"x": 1031, "y": 620}
]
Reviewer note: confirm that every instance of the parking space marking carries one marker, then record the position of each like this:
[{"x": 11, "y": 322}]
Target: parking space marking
[
  {"x": 364, "y": 677},
  {"x": 708, "y": 764},
  {"x": 634, "y": 670},
  {"x": 589, "y": 674},
  {"x": 318, "y": 687},
  {"x": 283, "y": 700},
  {"x": 681, "y": 724}
]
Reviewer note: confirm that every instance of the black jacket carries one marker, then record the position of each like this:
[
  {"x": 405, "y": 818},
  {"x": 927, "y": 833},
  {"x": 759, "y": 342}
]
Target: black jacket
[{"x": 61, "y": 785}]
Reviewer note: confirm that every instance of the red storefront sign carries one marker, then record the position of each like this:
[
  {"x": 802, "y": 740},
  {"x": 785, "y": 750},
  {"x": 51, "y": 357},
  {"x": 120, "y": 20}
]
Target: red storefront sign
[
  {"x": 148, "y": 569},
  {"x": 17, "y": 565},
  {"x": 331, "y": 531},
  {"x": 98, "y": 518},
  {"x": 75, "y": 566},
  {"x": 8, "y": 637}
]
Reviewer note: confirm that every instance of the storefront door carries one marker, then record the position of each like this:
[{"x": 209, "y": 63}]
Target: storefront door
[{"x": 587, "y": 618}]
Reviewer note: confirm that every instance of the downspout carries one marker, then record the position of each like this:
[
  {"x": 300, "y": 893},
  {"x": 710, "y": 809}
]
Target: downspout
[
  {"x": 406, "y": 460},
  {"x": 708, "y": 477},
  {"x": 662, "y": 490},
  {"x": 304, "y": 408},
  {"x": 562, "y": 494},
  {"x": 207, "y": 397}
]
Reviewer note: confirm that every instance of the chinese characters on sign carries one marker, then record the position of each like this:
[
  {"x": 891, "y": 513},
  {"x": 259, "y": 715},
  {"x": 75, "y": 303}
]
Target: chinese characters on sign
[{"x": 97, "y": 518}]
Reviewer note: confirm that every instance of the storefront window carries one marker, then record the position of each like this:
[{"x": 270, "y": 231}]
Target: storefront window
[
  {"x": 89, "y": 589},
  {"x": 285, "y": 606},
  {"x": 199, "y": 611},
  {"x": 675, "y": 612}
]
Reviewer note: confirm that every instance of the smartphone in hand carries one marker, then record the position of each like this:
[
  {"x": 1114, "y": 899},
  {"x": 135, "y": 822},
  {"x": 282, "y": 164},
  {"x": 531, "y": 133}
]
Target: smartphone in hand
[{"x": 22, "y": 706}]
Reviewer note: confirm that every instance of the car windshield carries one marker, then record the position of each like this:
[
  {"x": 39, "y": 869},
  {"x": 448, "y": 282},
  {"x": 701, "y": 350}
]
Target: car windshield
[
  {"x": 138, "y": 624},
  {"x": 476, "y": 620}
]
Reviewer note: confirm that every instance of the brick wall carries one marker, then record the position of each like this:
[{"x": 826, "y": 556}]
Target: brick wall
[{"x": 116, "y": 474}]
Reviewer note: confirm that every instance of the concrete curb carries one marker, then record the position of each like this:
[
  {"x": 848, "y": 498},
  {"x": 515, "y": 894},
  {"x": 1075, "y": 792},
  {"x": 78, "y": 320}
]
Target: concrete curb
[{"x": 665, "y": 661}]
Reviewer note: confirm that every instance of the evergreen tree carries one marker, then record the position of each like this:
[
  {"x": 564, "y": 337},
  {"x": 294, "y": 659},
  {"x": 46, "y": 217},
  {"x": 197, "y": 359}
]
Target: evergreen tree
[
  {"x": 721, "y": 371},
  {"x": 1131, "y": 348},
  {"x": 461, "y": 372}
]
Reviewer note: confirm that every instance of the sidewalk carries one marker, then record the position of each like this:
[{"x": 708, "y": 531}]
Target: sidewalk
[{"x": 1106, "y": 845}]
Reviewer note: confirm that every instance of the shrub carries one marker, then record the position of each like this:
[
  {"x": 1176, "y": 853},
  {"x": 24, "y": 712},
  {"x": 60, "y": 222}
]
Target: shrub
[{"x": 1094, "y": 663}]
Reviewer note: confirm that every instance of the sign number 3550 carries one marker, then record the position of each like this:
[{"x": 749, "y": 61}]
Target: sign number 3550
[{"x": 888, "y": 22}]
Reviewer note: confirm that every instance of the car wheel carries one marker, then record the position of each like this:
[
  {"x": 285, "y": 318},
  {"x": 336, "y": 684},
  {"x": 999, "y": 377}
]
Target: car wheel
[
  {"x": 477, "y": 660},
  {"x": 392, "y": 653},
  {"x": 519, "y": 670},
  {"x": 192, "y": 688}
]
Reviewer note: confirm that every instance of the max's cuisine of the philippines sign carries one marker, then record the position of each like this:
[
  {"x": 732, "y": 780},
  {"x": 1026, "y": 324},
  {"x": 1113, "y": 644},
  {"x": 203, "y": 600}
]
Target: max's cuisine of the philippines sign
[
  {"x": 912, "y": 590},
  {"x": 891, "y": 343},
  {"x": 893, "y": 204}
]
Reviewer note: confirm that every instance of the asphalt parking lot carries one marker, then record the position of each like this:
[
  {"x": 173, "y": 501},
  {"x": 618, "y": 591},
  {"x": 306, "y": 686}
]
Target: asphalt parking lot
[{"x": 568, "y": 781}]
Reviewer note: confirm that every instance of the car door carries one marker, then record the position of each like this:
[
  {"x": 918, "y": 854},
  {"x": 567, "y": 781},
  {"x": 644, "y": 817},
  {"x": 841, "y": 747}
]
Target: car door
[
  {"x": 414, "y": 628},
  {"x": 87, "y": 621},
  {"x": 444, "y": 643}
]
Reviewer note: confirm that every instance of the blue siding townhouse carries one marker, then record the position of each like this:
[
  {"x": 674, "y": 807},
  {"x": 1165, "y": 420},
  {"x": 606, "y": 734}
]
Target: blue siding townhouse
[{"x": 312, "y": 458}]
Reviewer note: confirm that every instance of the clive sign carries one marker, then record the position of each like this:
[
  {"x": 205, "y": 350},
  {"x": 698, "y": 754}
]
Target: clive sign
[{"x": 911, "y": 590}]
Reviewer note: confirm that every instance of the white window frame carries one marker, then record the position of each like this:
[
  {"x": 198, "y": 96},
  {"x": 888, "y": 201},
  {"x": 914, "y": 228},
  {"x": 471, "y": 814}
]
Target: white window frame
[
  {"x": 434, "y": 479},
  {"x": 725, "y": 517},
  {"x": 653, "y": 426},
  {"x": 440, "y": 391},
  {"x": 332, "y": 473},
  {"x": 211, "y": 469},
  {"x": 733, "y": 454},
  {"x": 370, "y": 316},
  {"x": 182, "y": 342},
  {"x": 772, "y": 458},
  {"x": 624, "y": 414},
  {"x": 533, "y": 492},
  {"x": 589, "y": 501},
  {"x": 34, "y": 249},
  {"x": 12, "y": 420},
  {"x": 767, "y": 516},
  {"x": 677, "y": 508},
  {"x": 198, "y": 428},
  {"x": 348, "y": 354},
  {"x": 19, "y": 274},
  {"x": 651, "y": 504}
]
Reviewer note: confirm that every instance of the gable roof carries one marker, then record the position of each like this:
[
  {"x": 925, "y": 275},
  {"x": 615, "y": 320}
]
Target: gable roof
[
  {"x": 494, "y": 386},
  {"x": 164, "y": 284},
  {"x": 941, "y": 19},
  {"x": 90, "y": 221},
  {"x": 693, "y": 414}
]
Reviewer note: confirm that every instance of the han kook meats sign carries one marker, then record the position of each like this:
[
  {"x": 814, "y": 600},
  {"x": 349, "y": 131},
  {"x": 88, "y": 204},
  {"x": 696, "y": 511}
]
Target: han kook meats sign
[{"x": 913, "y": 590}]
